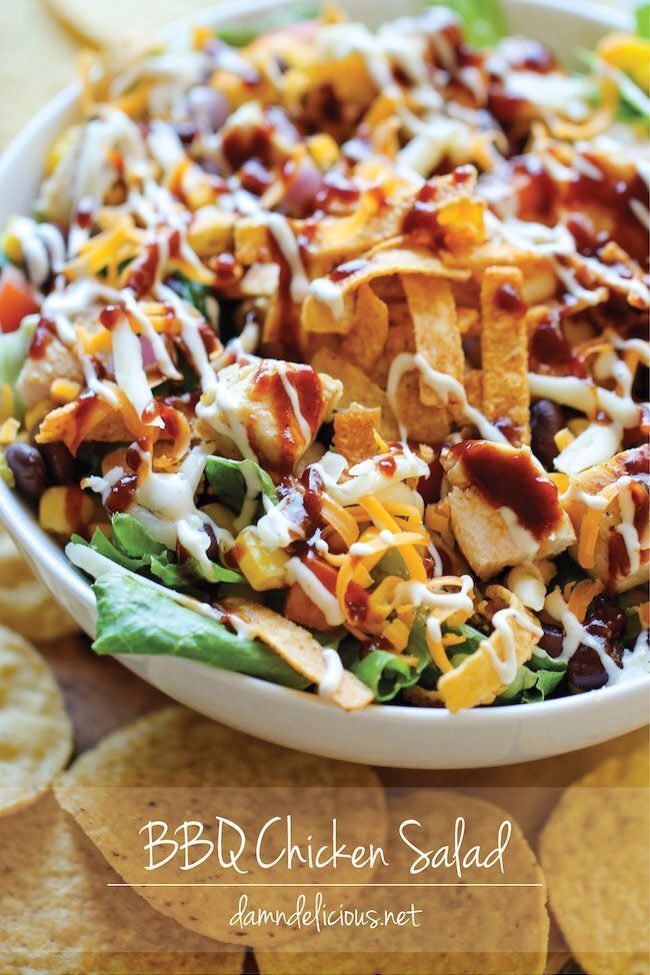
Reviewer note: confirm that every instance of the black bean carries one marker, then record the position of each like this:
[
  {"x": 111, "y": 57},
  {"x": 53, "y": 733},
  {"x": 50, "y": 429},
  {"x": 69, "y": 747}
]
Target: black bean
[
  {"x": 546, "y": 419},
  {"x": 552, "y": 639},
  {"x": 472, "y": 351},
  {"x": 606, "y": 618},
  {"x": 28, "y": 468},
  {"x": 59, "y": 462},
  {"x": 585, "y": 670}
]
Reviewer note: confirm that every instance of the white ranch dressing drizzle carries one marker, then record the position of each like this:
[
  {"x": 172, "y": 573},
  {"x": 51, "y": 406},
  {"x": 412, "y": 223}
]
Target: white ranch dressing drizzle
[
  {"x": 596, "y": 444},
  {"x": 506, "y": 666},
  {"x": 292, "y": 395},
  {"x": 220, "y": 407},
  {"x": 333, "y": 674},
  {"x": 97, "y": 565},
  {"x": 365, "y": 478},
  {"x": 128, "y": 365},
  {"x": 298, "y": 572},
  {"x": 575, "y": 633},
  {"x": 585, "y": 396},
  {"x": 446, "y": 386},
  {"x": 418, "y": 594},
  {"x": 627, "y": 528},
  {"x": 286, "y": 241},
  {"x": 190, "y": 322}
]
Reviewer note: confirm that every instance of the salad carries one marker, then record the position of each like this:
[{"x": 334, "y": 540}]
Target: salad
[{"x": 324, "y": 352}]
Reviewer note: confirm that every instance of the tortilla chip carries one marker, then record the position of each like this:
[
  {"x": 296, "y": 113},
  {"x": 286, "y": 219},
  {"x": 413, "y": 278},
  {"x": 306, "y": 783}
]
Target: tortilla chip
[
  {"x": 595, "y": 854},
  {"x": 528, "y": 790},
  {"x": 58, "y": 916},
  {"x": 429, "y": 424},
  {"x": 35, "y": 731},
  {"x": 354, "y": 430},
  {"x": 318, "y": 316},
  {"x": 105, "y": 24},
  {"x": 299, "y": 649},
  {"x": 437, "y": 338},
  {"x": 475, "y": 681},
  {"x": 504, "y": 349},
  {"x": 26, "y": 605},
  {"x": 101, "y": 423},
  {"x": 366, "y": 339},
  {"x": 515, "y": 926},
  {"x": 357, "y": 388},
  {"x": 182, "y": 761}
]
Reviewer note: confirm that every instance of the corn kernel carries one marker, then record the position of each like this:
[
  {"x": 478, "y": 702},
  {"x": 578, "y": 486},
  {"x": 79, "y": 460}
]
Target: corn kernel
[
  {"x": 577, "y": 425},
  {"x": 263, "y": 568},
  {"x": 64, "y": 510},
  {"x": 11, "y": 245},
  {"x": 563, "y": 438},
  {"x": 630, "y": 54},
  {"x": 64, "y": 390},
  {"x": 323, "y": 150},
  {"x": 9, "y": 430}
]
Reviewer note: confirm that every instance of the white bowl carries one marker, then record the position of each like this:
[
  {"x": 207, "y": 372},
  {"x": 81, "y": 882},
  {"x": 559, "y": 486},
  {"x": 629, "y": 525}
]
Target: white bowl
[{"x": 381, "y": 735}]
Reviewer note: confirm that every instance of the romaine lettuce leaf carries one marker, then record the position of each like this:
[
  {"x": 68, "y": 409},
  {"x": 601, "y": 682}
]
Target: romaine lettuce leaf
[
  {"x": 228, "y": 478},
  {"x": 135, "y": 548},
  {"x": 534, "y": 681},
  {"x": 134, "y": 618}
]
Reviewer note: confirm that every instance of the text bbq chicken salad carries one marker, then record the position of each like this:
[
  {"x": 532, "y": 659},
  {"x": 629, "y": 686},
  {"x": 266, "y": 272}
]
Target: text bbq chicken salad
[{"x": 325, "y": 353}]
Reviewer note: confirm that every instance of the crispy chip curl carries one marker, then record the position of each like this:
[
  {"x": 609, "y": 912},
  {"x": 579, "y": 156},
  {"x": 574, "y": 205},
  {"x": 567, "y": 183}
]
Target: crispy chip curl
[
  {"x": 331, "y": 305},
  {"x": 354, "y": 430},
  {"x": 504, "y": 348}
]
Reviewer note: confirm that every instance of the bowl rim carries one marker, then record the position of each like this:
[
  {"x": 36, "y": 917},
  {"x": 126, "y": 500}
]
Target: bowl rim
[{"x": 19, "y": 519}]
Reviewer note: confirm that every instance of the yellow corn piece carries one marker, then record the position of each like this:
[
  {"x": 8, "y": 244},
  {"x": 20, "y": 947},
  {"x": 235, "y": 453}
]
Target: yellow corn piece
[
  {"x": 323, "y": 150},
  {"x": 561, "y": 481},
  {"x": 10, "y": 243},
  {"x": 263, "y": 568},
  {"x": 64, "y": 510},
  {"x": 630, "y": 54},
  {"x": 563, "y": 438},
  {"x": 9, "y": 430},
  {"x": 64, "y": 390}
]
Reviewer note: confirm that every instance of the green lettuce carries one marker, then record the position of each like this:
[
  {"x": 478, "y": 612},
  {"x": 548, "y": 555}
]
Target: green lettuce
[
  {"x": 534, "y": 680},
  {"x": 13, "y": 351},
  {"x": 135, "y": 548},
  {"x": 240, "y": 36},
  {"x": 135, "y": 618},
  {"x": 484, "y": 22},
  {"x": 228, "y": 479}
]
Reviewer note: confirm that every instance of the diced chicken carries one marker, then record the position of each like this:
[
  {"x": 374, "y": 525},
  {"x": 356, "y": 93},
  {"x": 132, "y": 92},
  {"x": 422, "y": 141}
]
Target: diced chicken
[
  {"x": 608, "y": 505},
  {"x": 504, "y": 509},
  {"x": 36, "y": 376},
  {"x": 271, "y": 410}
]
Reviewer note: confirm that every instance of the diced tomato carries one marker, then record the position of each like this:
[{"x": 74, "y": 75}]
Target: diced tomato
[{"x": 16, "y": 299}]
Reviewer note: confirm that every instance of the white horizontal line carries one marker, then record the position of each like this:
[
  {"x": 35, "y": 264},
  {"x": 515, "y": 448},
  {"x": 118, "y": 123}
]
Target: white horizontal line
[{"x": 245, "y": 884}]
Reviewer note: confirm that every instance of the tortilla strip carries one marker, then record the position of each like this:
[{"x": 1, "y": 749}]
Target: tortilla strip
[
  {"x": 437, "y": 338},
  {"x": 476, "y": 680},
  {"x": 367, "y": 337},
  {"x": 354, "y": 430},
  {"x": 504, "y": 348},
  {"x": 319, "y": 316},
  {"x": 357, "y": 388},
  {"x": 101, "y": 423},
  {"x": 299, "y": 649}
]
